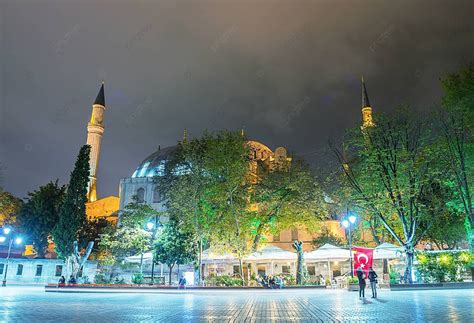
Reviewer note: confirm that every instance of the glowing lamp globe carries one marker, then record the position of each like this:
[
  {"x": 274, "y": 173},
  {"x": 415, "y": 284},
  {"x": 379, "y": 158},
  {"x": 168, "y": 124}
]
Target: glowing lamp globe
[{"x": 150, "y": 225}]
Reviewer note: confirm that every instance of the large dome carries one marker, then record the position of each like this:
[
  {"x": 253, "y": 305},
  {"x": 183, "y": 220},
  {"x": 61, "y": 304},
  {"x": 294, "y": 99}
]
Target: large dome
[{"x": 154, "y": 164}]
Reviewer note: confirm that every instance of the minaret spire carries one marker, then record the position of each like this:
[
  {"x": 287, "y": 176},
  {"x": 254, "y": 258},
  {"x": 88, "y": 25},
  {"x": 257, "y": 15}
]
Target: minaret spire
[
  {"x": 366, "y": 108},
  {"x": 95, "y": 130}
]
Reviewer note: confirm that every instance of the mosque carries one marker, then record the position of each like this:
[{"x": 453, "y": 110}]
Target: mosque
[{"x": 142, "y": 185}]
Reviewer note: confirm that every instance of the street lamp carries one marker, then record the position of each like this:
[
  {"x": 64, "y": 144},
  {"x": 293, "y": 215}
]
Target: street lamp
[
  {"x": 347, "y": 222},
  {"x": 153, "y": 226},
  {"x": 18, "y": 240}
]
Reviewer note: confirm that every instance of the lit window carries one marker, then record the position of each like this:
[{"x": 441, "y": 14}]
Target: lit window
[
  {"x": 285, "y": 269},
  {"x": 141, "y": 195},
  {"x": 39, "y": 270},
  {"x": 59, "y": 270}
]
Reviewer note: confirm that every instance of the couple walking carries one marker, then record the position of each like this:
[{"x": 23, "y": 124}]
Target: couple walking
[{"x": 373, "y": 282}]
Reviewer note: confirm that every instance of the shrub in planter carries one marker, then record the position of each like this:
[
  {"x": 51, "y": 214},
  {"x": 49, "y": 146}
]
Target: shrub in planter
[
  {"x": 138, "y": 278},
  {"x": 224, "y": 280},
  {"x": 393, "y": 277},
  {"x": 85, "y": 280},
  {"x": 352, "y": 281},
  {"x": 443, "y": 266},
  {"x": 101, "y": 279}
]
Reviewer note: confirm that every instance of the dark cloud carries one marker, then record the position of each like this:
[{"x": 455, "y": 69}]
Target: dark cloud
[{"x": 286, "y": 71}]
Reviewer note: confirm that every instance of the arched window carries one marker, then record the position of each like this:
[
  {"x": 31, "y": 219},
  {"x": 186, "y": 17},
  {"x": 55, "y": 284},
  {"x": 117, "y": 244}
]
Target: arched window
[
  {"x": 157, "y": 197},
  {"x": 141, "y": 195}
]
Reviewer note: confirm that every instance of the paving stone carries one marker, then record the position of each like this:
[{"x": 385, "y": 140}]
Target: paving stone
[{"x": 32, "y": 304}]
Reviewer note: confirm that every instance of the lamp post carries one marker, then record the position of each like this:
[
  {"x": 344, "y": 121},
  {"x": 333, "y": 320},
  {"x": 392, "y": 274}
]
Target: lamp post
[
  {"x": 153, "y": 227},
  {"x": 347, "y": 222},
  {"x": 18, "y": 240}
]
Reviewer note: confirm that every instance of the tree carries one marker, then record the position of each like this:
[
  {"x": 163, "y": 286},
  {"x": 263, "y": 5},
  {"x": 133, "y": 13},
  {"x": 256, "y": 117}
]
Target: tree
[
  {"x": 227, "y": 166},
  {"x": 9, "y": 207},
  {"x": 118, "y": 243},
  {"x": 137, "y": 214},
  {"x": 72, "y": 215},
  {"x": 327, "y": 236},
  {"x": 287, "y": 199},
  {"x": 458, "y": 124},
  {"x": 389, "y": 172},
  {"x": 40, "y": 213},
  {"x": 174, "y": 246},
  {"x": 184, "y": 185}
]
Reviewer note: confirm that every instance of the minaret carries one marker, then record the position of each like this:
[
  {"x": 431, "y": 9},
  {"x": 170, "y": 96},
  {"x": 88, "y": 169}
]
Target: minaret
[
  {"x": 366, "y": 108},
  {"x": 95, "y": 130}
]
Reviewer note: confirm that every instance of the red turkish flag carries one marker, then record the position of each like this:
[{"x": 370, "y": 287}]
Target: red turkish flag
[{"x": 363, "y": 257}]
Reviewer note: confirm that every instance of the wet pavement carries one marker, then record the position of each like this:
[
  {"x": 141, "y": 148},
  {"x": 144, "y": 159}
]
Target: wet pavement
[{"x": 32, "y": 304}]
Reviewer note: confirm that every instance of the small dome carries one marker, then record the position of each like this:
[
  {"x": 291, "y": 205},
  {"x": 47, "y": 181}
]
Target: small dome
[{"x": 155, "y": 163}]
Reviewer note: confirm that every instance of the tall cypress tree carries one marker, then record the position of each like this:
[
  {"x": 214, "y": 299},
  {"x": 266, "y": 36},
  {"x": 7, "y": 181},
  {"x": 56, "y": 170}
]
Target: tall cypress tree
[{"x": 72, "y": 214}]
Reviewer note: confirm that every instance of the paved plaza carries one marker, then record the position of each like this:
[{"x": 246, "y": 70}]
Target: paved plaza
[{"x": 32, "y": 304}]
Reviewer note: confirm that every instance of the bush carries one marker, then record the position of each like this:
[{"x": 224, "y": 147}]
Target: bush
[
  {"x": 444, "y": 266},
  {"x": 138, "y": 278},
  {"x": 393, "y": 277},
  {"x": 85, "y": 280},
  {"x": 224, "y": 280},
  {"x": 100, "y": 278},
  {"x": 352, "y": 280}
]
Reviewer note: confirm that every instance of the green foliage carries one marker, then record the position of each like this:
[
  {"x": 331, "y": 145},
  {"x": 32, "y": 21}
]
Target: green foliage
[
  {"x": 137, "y": 214},
  {"x": 72, "y": 215},
  {"x": 288, "y": 199},
  {"x": 389, "y": 167},
  {"x": 174, "y": 246},
  {"x": 85, "y": 280},
  {"x": 119, "y": 243},
  {"x": 9, "y": 207},
  {"x": 138, "y": 278},
  {"x": 444, "y": 266},
  {"x": 393, "y": 277},
  {"x": 100, "y": 278},
  {"x": 40, "y": 213},
  {"x": 352, "y": 280},
  {"x": 327, "y": 237},
  {"x": 224, "y": 280},
  {"x": 458, "y": 145}
]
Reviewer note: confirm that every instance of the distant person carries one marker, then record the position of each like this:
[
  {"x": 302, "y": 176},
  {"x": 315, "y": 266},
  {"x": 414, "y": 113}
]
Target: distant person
[
  {"x": 271, "y": 281},
  {"x": 182, "y": 283},
  {"x": 373, "y": 282},
  {"x": 62, "y": 281},
  {"x": 361, "y": 278}
]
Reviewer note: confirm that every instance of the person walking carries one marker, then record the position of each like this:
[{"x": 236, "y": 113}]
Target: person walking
[
  {"x": 361, "y": 278},
  {"x": 373, "y": 282}
]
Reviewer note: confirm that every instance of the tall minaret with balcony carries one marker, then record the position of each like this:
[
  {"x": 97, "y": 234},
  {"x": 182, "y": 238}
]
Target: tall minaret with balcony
[
  {"x": 95, "y": 130},
  {"x": 367, "y": 121}
]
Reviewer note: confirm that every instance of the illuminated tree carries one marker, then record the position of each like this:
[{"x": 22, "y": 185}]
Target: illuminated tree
[
  {"x": 9, "y": 208},
  {"x": 389, "y": 168},
  {"x": 72, "y": 214},
  {"x": 458, "y": 126},
  {"x": 40, "y": 213}
]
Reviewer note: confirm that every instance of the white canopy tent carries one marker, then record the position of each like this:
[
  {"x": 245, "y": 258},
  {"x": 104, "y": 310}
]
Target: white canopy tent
[
  {"x": 327, "y": 252},
  {"x": 271, "y": 253},
  {"x": 388, "y": 251},
  {"x": 147, "y": 256}
]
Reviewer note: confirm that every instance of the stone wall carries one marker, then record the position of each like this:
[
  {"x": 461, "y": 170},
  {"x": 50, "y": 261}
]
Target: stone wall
[{"x": 39, "y": 271}]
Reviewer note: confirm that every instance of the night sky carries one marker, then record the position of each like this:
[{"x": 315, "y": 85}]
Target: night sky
[{"x": 288, "y": 72}]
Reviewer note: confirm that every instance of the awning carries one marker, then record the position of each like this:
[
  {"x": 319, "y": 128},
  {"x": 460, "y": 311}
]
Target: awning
[
  {"x": 327, "y": 252},
  {"x": 271, "y": 253},
  {"x": 387, "y": 251}
]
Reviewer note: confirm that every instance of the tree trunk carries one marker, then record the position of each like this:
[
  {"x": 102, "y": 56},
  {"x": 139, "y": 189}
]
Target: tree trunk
[
  {"x": 170, "y": 273},
  {"x": 410, "y": 254},
  {"x": 241, "y": 269},
  {"x": 200, "y": 273}
]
